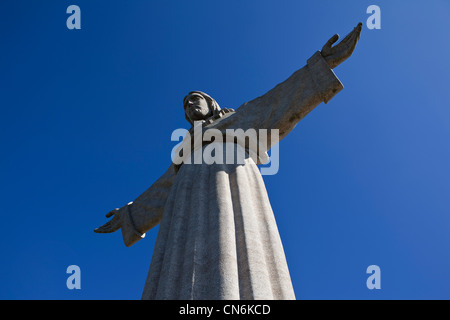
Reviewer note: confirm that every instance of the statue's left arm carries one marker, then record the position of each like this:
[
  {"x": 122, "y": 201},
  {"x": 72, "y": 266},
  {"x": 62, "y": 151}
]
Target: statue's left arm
[{"x": 285, "y": 105}]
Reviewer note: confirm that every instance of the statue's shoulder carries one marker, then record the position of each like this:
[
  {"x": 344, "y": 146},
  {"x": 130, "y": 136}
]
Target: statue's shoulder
[
  {"x": 223, "y": 114},
  {"x": 213, "y": 121}
]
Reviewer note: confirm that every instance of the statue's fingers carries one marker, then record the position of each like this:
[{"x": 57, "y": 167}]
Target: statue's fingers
[
  {"x": 329, "y": 43},
  {"x": 107, "y": 228},
  {"x": 111, "y": 213},
  {"x": 349, "y": 37},
  {"x": 348, "y": 44},
  {"x": 352, "y": 41},
  {"x": 346, "y": 48},
  {"x": 102, "y": 229},
  {"x": 333, "y": 39},
  {"x": 110, "y": 226},
  {"x": 358, "y": 29},
  {"x": 354, "y": 35}
]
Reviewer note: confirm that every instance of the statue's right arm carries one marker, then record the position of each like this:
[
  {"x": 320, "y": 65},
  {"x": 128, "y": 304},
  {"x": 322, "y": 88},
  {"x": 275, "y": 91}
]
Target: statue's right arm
[
  {"x": 144, "y": 213},
  {"x": 282, "y": 107}
]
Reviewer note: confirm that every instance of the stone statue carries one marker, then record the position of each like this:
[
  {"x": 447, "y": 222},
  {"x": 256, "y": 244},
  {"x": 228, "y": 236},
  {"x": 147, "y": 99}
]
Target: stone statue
[{"x": 218, "y": 238}]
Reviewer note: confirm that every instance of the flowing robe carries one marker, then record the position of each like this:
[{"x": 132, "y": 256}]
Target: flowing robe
[{"x": 218, "y": 237}]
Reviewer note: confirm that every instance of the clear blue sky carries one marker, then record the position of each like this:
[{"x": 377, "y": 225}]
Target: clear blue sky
[{"x": 87, "y": 117}]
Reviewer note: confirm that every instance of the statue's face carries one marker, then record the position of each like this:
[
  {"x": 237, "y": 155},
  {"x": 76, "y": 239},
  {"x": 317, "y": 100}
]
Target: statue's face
[{"x": 196, "y": 107}]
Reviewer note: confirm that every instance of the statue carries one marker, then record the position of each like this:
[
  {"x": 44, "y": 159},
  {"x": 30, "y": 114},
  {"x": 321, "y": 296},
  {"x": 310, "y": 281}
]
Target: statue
[{"x": 218, "y": 237}]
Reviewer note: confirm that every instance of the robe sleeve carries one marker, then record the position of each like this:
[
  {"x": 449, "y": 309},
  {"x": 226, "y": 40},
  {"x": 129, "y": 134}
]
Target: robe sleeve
[
  {"x": 290, "y": 101},
  {"x": 144, "y": 213}
]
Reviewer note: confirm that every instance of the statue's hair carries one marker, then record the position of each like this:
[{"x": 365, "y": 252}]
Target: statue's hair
[{"x": 212, "y": 104}]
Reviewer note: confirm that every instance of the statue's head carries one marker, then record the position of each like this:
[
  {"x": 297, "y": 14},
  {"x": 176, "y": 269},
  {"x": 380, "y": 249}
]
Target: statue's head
[{"x": 199, "y": 106}]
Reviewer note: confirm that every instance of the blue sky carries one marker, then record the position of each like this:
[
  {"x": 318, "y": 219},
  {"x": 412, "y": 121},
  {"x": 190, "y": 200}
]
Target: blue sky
[{"x": 87, "y": 117}]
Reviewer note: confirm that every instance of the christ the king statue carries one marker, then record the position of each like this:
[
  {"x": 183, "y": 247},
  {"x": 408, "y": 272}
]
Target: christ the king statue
[{"x": 218, "y": 238}]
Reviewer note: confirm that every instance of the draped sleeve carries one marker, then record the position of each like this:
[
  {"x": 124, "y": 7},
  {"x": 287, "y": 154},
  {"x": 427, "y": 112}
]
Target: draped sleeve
[{"x": 146, "y": 211}]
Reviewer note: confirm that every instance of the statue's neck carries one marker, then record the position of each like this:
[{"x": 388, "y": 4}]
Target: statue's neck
[{"x": 225, "y": 112}]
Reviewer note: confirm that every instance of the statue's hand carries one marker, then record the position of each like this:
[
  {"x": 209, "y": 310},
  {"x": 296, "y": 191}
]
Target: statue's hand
[
  {"x": 340, "y": 52},
  {"x": 112, "y": 225}
]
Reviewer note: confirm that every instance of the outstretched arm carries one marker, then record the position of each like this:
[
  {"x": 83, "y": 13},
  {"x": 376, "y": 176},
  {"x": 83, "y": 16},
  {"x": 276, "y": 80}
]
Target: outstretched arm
[
  {"x": 285, "y": 105},
  {"x": 141, "y": 215}
]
